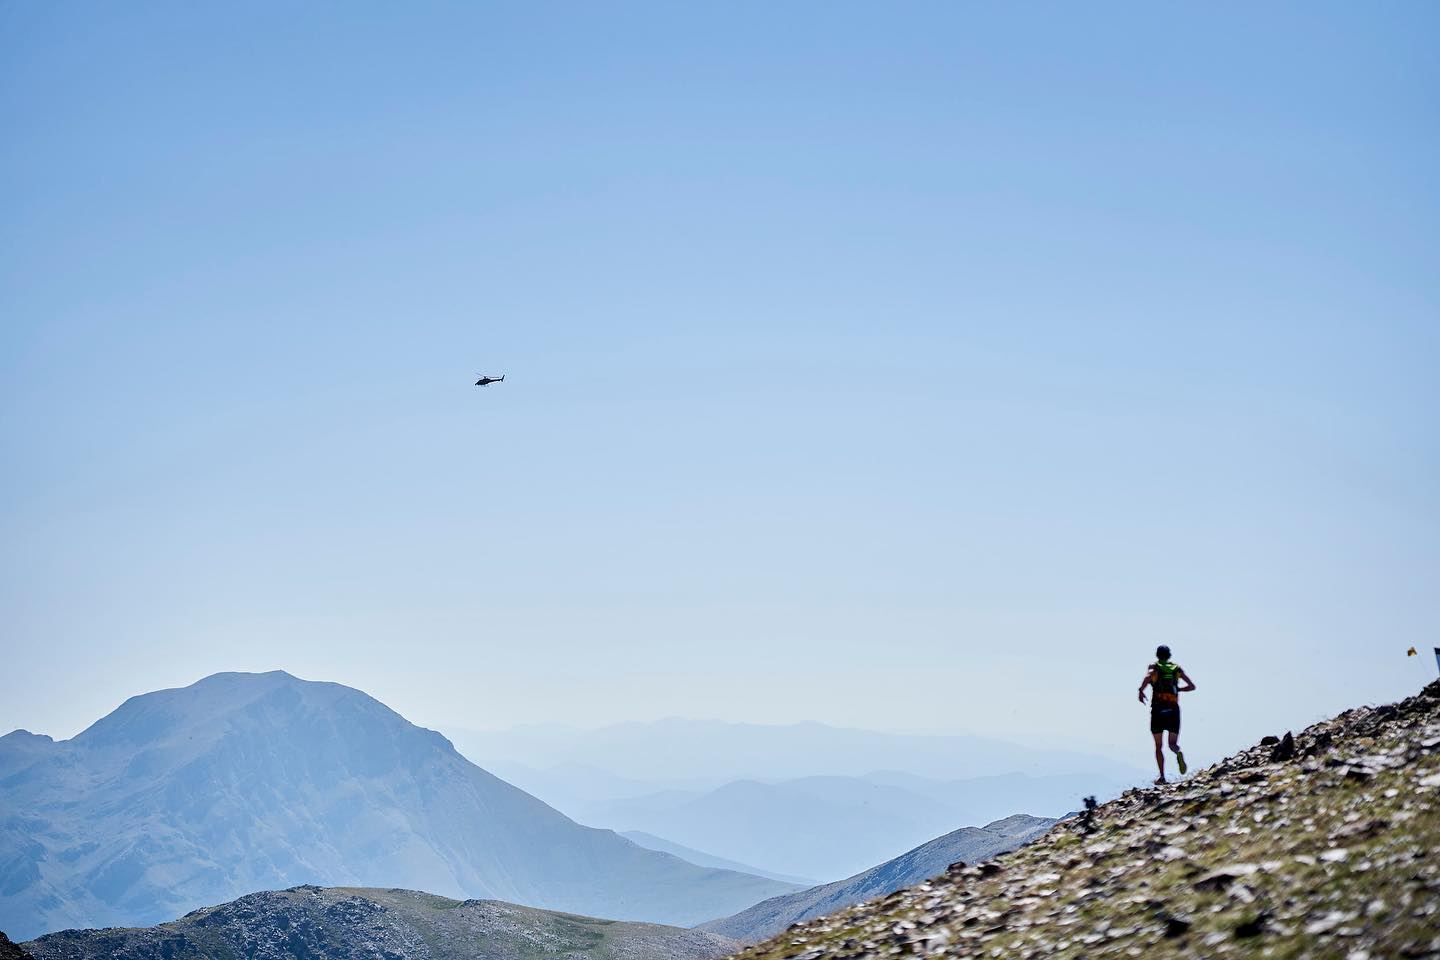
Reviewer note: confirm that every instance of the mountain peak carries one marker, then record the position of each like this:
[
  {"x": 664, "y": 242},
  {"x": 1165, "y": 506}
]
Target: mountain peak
[
  {"x": 248, "y": 677},
  {"x": 22, "y": 735},
  {"x": 21, "y": 748},
  {"x": 246, "y": 781},
  {"x": 221, "y": 702}
]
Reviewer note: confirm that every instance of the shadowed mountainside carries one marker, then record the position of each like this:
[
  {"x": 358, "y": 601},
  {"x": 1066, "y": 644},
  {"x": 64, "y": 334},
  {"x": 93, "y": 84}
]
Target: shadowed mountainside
[
  {"x": 245, "y": 782},
  {"x": 1325, "y": 844},
  {"x": 361, "y": 924},
  {"x": 11, "y": 951}
]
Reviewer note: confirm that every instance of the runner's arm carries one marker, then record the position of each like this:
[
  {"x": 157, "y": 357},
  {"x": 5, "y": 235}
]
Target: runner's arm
[
  {"x": 1186, "y": 677},
  {"x": 1149, "y": 678}
]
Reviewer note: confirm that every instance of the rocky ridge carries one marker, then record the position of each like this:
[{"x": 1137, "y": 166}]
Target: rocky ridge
[
  {"x": 10, "y": 951},
  {"x": 1321, "y": 844},
  {"x": 366, "y": 924},
  {"x": 974, "y": 844}
]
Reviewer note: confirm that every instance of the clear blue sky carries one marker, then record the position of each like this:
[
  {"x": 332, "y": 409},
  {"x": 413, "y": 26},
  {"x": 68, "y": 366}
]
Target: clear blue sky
[{"x": 905, "y": 366}]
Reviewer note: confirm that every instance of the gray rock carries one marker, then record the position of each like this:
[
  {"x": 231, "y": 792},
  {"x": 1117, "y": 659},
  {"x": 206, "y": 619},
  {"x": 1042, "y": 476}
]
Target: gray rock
[{"x": 11, "y": 951}]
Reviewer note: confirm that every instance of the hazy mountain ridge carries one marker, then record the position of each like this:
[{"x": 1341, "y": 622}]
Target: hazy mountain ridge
[
  {"x": 1325, "y": 844},
  {"x": 245, "y": 782},
  {"x": 968, "y": 844},
  {"x": 365, "y": 924},
  {"x": 885, "y": 792},
  {"x": 702, "y": 859},
  {"x": 711, "y": 752},
  {"x": 823, "y": 827},
  {"x": 788, "y": 827}
]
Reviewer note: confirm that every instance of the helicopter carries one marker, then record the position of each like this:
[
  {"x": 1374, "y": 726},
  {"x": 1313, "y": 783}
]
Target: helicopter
[{"x": 486, "y": 381}]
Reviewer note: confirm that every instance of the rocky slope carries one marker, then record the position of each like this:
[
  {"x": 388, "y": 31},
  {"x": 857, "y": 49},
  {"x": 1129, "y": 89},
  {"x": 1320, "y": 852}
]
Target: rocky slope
[
  {"x": 360, "y": 924},
  {"x": 1324, "y": 844},
  {"x": 971, "y": 844},
  {"x": 10, "y": 951},
  {"x": 245, "y": 782}
]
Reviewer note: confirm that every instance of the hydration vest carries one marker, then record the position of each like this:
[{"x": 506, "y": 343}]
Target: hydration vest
[{"x": 1167, "y": 685}]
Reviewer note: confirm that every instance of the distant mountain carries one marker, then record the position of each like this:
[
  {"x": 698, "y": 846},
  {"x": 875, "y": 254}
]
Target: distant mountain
[
  {"x": 676, "y": 750},
  {"x": 651, "y": 842},
  {"x": 982, "y": 799},
  {"x": 824, "y": 827},
  {"x": 570, "y": 787},
  {"x": 245, "y": 782},
  {"x": 305, "y": 923},
  {"x": 884, "y": 792},
  {"x": 789, "y": 827},
  {"x": 968, "y": 844}
]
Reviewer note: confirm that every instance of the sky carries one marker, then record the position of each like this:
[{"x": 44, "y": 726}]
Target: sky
[{"x": 910, "y": 367}]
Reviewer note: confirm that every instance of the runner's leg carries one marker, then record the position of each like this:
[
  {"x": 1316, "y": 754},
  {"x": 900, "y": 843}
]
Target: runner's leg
[{"x": 1179, "y": 754}]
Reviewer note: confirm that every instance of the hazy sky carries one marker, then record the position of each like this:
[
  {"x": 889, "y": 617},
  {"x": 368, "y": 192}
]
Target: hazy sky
[{"x": 898, "y": 365}]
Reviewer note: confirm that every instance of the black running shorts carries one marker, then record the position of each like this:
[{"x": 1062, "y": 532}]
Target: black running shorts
[{"x": 1163, "y": 720}]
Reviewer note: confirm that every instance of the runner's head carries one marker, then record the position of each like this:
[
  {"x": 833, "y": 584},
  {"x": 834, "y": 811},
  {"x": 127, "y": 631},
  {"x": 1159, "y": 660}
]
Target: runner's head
[{"x": 1162, "y": 652}]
